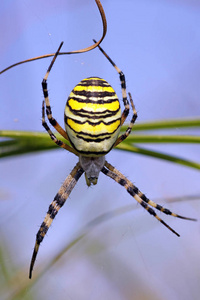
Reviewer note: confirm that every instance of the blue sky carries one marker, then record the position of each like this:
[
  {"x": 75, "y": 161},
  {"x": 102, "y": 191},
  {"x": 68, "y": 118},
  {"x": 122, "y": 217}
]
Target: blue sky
[{"x": 156, "y": 44}]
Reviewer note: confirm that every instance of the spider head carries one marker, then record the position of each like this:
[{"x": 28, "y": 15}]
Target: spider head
[{"x": 92, "y": 167}]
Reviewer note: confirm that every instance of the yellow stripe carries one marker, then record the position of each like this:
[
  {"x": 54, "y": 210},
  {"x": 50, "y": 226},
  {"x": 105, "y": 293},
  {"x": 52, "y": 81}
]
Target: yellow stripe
[
  {"x": 94, "y": 88},
  {"x": 94, "y": 107},
  {"x": 96, "y": 129}
]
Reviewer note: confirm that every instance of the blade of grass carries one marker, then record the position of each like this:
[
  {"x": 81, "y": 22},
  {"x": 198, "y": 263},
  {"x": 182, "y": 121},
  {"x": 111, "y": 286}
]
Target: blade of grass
[
  {"x": 191, "y": 139},
  {"x": 160, "y": 155},
  {"x": 25, "y": 142},
  {"x": 22, "y": 142},
  {"x": 166, "y": 124}
]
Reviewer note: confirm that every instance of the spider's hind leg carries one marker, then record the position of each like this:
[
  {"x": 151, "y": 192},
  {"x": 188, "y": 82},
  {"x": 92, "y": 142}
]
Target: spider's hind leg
[
  {"x": 113, "y": 173},
  {"x": 54, "y": 207}
]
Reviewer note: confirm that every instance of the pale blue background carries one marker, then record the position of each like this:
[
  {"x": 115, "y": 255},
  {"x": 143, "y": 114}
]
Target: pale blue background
[{"x": 157, "y": 45}]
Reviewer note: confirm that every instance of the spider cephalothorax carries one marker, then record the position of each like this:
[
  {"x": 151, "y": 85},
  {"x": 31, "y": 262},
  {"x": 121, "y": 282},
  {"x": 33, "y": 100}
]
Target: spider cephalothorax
[{"x": 92, "y": 123}]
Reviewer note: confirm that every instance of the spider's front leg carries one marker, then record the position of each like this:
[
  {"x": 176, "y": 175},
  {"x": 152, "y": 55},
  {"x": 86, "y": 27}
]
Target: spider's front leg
[
  {"x": 52, "y": 135},
  {"x": 53, "y": 121},
  {"x": 122, "y": 137},
  {"x": 125, "y": 100},
  {"x": 123, "y": 85},
  {"x": 54, "y": 207}
]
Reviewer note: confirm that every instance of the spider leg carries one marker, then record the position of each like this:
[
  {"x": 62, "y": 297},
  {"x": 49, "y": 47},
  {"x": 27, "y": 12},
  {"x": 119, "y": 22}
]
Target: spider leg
[
  {"x": 122, "y": 137},
  {"x": 52, "y": 135},
  {"x": 123, "y": 86},
  {"x": 52, "y": 121},
  {"x": 125, "y": 100},
  {"x": 144, "y": 198},
  {"x": 113, "y": 173},
  {"x": 54, "y": 207}
]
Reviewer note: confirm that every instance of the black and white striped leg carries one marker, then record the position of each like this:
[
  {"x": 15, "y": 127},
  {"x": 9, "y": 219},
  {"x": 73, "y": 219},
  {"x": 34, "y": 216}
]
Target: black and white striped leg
[
  {"x": 52, "y": 121},
  {"x": 52, "y": 135},
  {"x": 123, "y": 86},
  {"x": 125, "y": 100},
  {"x": 113, "y": 173},
  {"x": 128, "y": 130},
  {"x": 54, "y": 207}
]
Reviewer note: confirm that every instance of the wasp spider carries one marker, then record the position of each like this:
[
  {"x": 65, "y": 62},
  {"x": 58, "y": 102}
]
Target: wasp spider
[{"x": 92, "y": 124}]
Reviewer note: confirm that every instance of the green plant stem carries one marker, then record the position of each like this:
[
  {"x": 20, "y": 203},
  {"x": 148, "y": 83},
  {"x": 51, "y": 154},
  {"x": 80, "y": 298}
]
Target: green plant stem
[
  {"x": 171, "y": 158},
  {"x": 166, "y": 124}
]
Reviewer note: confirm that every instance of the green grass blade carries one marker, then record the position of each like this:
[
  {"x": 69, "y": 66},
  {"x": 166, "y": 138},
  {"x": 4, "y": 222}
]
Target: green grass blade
[
  {"x": 186, "y": 139},
  {"x": 21, "y": 142},
  {"x": 166, "y": 124},
  {"x": 160, "y": 155}
]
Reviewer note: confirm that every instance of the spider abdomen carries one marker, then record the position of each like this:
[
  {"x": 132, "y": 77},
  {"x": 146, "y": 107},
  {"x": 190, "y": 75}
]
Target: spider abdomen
[{"x": 92, "y": 117}]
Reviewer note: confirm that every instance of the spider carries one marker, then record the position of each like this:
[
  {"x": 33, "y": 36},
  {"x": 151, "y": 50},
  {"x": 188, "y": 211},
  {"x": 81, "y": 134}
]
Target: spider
[{"x": 92, "y": 123}]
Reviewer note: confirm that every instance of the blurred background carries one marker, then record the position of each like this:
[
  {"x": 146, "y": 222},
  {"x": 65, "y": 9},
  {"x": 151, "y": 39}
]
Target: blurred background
[{"x": 125, "y": 253}]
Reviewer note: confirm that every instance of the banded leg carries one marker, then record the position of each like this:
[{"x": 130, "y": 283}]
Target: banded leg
[
  {"x": 52, "y": 135},
  {"x": 52, "y": 121},
  {"x": 123, "y": 86},
  {"x": 122, "y": 137},
  {"x": 113, "y": 173},
  {"x": 54, "y": 207},
  {"x": 125, "y": 100}
]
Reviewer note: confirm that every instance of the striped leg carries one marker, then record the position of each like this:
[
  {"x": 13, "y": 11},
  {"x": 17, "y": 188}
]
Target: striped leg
[
  {"x": 52, "y": 121},
  {"x": 128, "y": 130},
  {"x": 123, "y": 86},
  {"x": 52, "y": 135},
  {"x": 54, "y": 207},
  {"x": 125, "y": 100},
  {"x": 113, "y": 173}
]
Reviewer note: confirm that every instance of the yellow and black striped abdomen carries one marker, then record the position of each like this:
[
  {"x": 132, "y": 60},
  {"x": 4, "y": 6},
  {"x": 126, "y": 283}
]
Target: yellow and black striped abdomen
[{"x": 92, "y": 117}]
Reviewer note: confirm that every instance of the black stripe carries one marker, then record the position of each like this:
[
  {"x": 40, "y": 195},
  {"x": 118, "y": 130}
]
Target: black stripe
[
  {"x": 44, "y": 87},
  {"x": 90, "y": 152},
  {"x": 144, "y": 204},
  {"x": 48, "y": 110},
  {"x": 59, "y": 200},
  {"x": 93, "y": 114},
  {"x": 92, "y": 135},
  {"x": 164, "y": 210},
  {"x": 78, "y": 174},
  {"x": 105, "y": 171},
  {"x": 122, "y": 79},
  {"x": 41, "y": 233},
  {"x": 151, "y": 211},
  {"x": 122, "y": 182},
  {"x": 94, "y": 82},
  {"x": 58, "y": 142},
  {"x": 91, "y": 123},
  {"x": 97, "y": 140},
  {"x": 52, "y": 211},
  {"x": 94, "y": 94},
  {"x": 100, "y": 101},
  {"x": 109, "y": 173},
  {"x": 159, "y": 207}
]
